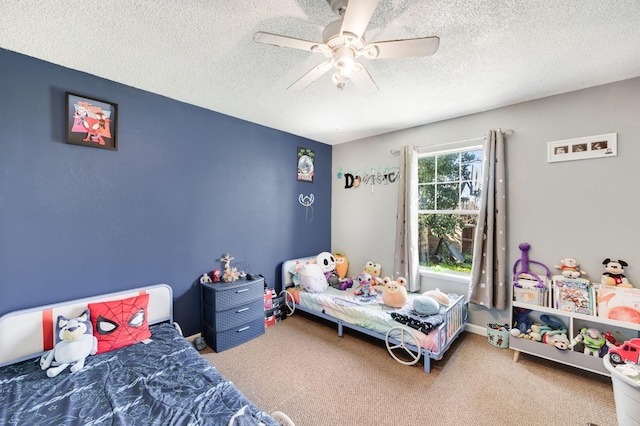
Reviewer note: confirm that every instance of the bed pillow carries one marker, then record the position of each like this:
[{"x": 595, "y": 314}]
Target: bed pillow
[{"x": 120, "y": 323}]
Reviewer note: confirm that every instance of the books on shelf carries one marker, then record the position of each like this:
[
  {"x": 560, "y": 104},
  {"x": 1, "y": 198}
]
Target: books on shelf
[
  {"x": 573, "y": 295},
  {"x": 621, "y": 304},
  {"x": 527, "y": 289}
]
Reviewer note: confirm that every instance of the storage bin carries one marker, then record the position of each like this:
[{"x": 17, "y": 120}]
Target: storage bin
[
  {"x": 626, "y": 393},
  {"x": 498, "y": 335}
]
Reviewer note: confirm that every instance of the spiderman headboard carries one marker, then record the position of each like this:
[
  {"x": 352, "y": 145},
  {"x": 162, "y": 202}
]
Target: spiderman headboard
[{"x": 28, "y": 333}]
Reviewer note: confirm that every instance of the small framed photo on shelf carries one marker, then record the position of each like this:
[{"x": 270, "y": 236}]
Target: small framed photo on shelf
[
  {"x": 91, "y": 122},
  {"x": 599, "y": 146}
]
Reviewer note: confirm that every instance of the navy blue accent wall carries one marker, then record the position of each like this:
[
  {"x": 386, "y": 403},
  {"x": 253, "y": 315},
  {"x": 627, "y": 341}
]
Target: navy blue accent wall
[{"x": 185, "y": 186}]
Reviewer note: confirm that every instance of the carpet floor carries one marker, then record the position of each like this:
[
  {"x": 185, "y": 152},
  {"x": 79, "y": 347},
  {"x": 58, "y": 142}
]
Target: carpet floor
[{"x": 301, "y": 367}]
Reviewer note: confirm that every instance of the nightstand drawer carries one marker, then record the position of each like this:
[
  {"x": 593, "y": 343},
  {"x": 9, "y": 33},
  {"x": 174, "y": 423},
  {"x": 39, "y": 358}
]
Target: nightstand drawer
[
  {"x": 228, "y": 339},
  {"x": 226, "y": 296},
  {"x": 224, "y": 320}
]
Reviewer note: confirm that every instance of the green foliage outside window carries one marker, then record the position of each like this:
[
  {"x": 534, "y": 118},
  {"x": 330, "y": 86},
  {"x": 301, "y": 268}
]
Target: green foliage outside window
[{"x": 448, "y": 201}]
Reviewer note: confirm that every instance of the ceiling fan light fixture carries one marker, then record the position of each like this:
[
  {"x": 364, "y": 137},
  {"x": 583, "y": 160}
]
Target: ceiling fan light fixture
[
  {"x": 343, "y": 60},
  {"x": 343, "y": 42},
  {"x": 345, "y": 66},
  {"x": 339, "y": 80}
]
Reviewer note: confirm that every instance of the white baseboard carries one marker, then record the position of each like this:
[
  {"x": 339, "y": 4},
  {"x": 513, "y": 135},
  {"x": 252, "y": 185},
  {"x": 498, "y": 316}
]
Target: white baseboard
[{"x": 472, "y": 328}]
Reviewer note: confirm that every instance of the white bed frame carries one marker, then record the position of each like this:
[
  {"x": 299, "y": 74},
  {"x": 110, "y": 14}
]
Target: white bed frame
[
  {"x": 28, "y": 333},
  {"x": 448, "y": 332}
]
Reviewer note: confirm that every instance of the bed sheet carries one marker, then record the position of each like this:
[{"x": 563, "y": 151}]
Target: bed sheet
[
  {"x": 163, "y": 382},
  {"x": 366, "y": 312}
]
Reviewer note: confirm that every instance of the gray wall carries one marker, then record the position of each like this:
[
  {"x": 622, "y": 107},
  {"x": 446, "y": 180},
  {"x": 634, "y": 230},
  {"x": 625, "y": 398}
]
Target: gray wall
[{"x": 584, "y": 209}]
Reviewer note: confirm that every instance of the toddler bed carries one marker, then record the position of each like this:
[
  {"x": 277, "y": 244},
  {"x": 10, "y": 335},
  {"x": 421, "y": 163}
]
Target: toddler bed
[
  {"x": 161, "y": 380},
  {"x": 430, "y": 338}
]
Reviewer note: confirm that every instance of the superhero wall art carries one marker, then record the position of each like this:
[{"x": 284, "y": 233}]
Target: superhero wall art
[{"x": 91, "y": 122}]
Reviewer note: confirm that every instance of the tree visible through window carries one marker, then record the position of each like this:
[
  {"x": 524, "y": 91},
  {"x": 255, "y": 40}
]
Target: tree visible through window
[{"x": 449, "y": 187}]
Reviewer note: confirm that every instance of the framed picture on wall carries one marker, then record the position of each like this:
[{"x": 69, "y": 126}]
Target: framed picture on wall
[
  {"x": 305, "y": 164},
  {"x": 599, "y": 146},
  {"x": 91, "y": 122}
]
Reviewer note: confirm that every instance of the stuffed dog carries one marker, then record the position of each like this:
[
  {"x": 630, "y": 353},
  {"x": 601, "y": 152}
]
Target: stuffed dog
[{"x": 74, "y": 342}]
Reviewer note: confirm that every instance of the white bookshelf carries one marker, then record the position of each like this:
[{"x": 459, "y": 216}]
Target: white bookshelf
[{"x": 573, "y": 322}]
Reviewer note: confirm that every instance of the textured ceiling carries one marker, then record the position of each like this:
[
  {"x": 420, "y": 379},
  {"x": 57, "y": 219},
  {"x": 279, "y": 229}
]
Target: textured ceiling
[{"x": 492, "y": 53}]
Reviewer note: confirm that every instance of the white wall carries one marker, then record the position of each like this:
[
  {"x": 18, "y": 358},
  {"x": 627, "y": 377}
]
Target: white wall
[{"x": 585, "y": 209}]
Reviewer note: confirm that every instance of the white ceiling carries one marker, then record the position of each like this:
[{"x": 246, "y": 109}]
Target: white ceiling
[{"x": 492, "y": 53}]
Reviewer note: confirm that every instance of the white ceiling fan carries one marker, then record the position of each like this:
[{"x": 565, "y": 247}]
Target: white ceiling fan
[{"x": 343, "y": 42}]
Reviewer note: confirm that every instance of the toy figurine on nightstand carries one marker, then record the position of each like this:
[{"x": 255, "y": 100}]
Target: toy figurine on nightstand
[{"x": 229, "y": 274}]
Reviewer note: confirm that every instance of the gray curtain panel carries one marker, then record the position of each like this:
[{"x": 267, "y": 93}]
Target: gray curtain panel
[
  {"x": 489, "y": 271},
  {"x": 406, "y": 260}
]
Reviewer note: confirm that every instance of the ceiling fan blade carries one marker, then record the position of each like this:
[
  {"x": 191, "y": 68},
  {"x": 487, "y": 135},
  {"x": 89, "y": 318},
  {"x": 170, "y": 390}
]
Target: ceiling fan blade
[
  {"x": 363, "y": 81},
  {"x": 284, "y": 41},
  {"x": 424, "y": 46},
  {"x": 357, "y": 16},
  {"x": 311, "y": 76}
]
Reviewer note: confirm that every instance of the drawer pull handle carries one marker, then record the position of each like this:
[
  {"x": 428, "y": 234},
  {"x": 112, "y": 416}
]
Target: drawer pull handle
[
  {"x": 242, "y": 290},
  {"x": 243, "y": 329},
  {"x": 242, "y": 310}
]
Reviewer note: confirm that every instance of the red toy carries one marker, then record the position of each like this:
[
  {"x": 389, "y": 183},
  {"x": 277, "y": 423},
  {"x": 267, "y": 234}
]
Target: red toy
[{"x": 629, "y": 351}]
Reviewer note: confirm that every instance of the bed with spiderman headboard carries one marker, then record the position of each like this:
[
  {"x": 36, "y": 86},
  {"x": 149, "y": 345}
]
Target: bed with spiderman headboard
[
  {"x": 144, "y": 371},
  {"x": 408, "y": 337}
]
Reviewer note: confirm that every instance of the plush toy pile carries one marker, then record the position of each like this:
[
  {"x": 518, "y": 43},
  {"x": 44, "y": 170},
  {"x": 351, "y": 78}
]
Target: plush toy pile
[
  {"x": 329, "y": 266},
  {"x": 550, "y": 330}
]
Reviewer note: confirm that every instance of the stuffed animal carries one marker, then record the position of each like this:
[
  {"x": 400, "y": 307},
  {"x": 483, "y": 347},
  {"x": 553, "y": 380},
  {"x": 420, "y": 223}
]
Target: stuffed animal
[
  {"x": 312, "y": 278},
  {"x": 426, "y": 305},
  {"x": 439, "y": 296},
  {"x": 342, "y": 264},
  {"x": 559, "y": 341},
  {"x": 569, "y": 268},
  {"x": 374, "y": 269},
  {"x": 431, "y": 302},
  {"x": 614, "y": 273},
  {"x": 521, "y": 322},
  {"x": 327, "y": 263},
  {"x": 395, "y": 292},
  {"x": 550, "y": 331},
  {"x": 74, "y": 342},
  {"x": 365, "y": 285}
]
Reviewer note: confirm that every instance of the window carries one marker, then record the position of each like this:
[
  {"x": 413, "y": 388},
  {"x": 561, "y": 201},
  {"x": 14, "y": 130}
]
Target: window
[{"x": 449, "y": 188}]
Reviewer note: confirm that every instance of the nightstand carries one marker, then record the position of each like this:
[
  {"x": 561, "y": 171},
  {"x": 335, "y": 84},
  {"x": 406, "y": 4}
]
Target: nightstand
[{"x": 232, "y": 313}]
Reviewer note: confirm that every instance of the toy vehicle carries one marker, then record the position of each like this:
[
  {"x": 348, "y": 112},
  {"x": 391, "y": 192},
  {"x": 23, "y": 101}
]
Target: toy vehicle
[{"x": 629, "y": 351}]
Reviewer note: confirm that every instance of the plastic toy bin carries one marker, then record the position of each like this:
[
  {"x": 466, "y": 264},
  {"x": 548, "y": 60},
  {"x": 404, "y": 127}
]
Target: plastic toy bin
[
  {"x": 626, "y": 393},
  {"x": 498, "y": 335}
]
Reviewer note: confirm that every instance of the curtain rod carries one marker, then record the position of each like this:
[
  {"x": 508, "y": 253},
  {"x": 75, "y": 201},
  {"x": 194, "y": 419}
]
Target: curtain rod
[{"x": 507, "y": 132}]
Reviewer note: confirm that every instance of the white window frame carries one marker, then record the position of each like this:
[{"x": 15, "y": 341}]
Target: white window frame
[{"x": 470, "y": 145}]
